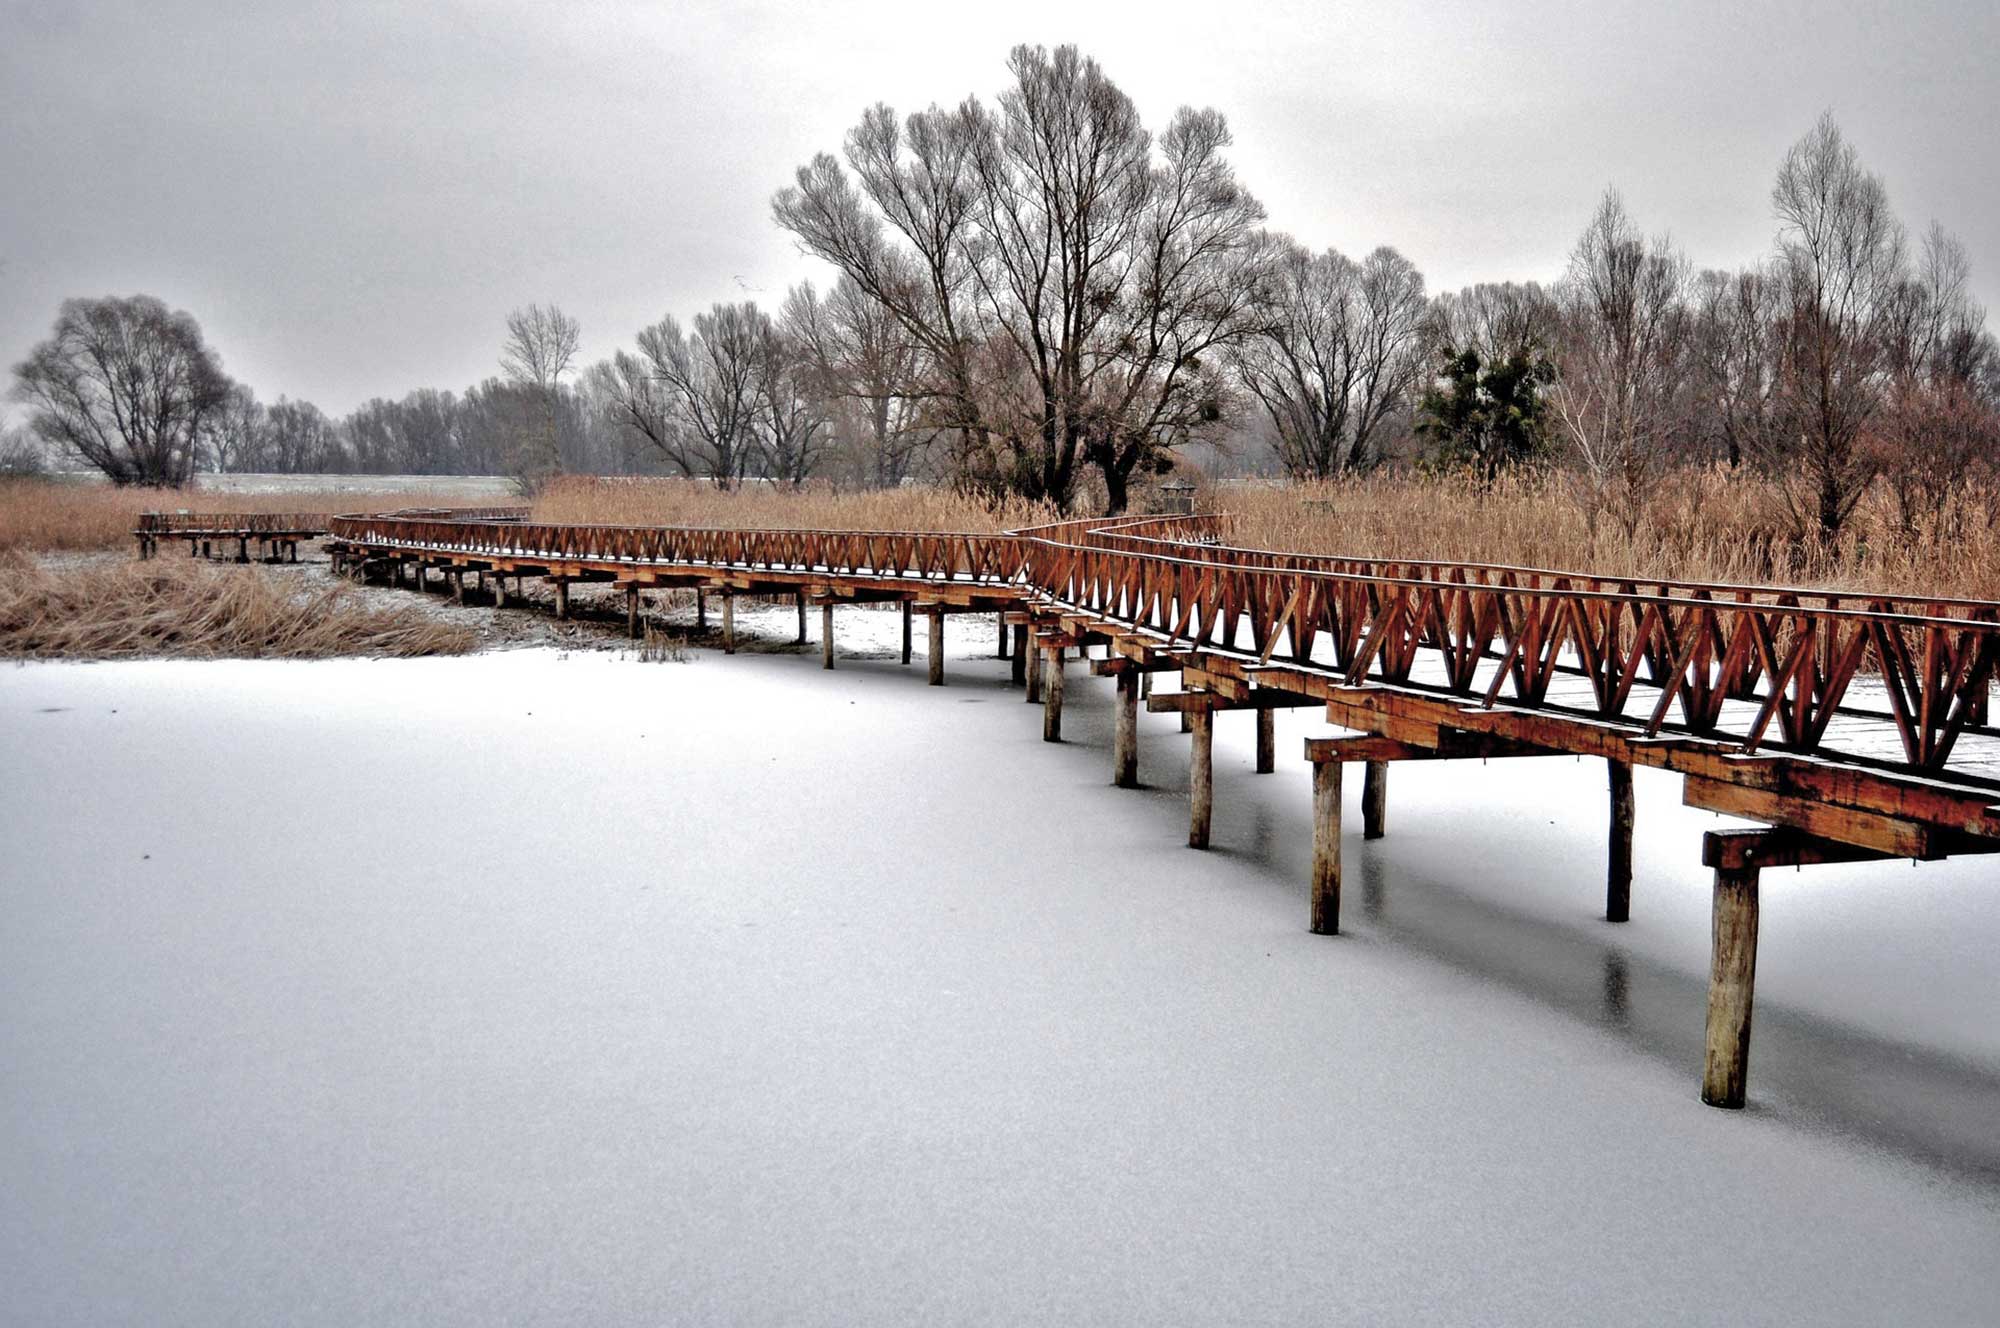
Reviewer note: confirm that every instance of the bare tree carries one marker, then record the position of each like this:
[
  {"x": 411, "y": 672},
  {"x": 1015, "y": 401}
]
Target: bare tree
[
  {"x": 796, "y": 422},
  {"x": 1070, "y": 282},
  {"x": 1840, "y": 256},
  {"x": 1343, "y": 346},
  {"x": 1497, "y": 321},
  {"x": 1735, "y": 351},
  {"x": 233, "y": 436},
  {"x": 300, "y": 440},
  {"x": 126, "y": 384},
  {"x": 541, "y": 342},
  {"x": 695, "y": 395},
  {"x": 1621, "y": 356},
  {"x": 864, "y": 358}
]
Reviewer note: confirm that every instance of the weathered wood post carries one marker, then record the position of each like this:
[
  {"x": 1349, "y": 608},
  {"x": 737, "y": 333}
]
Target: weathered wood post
[
  {"x": 700, "y": 609},
  {"x": 1618, "y": 874},
  {"x": 1125, "y": 734},
  {"x": 499, "y": 590},
  {"x": 632, "y": 612},
  {"x": 243, "y": 549},
  {"x": 1201, "y": 777},
  {"x": 1033, "y": 695},
  {"x": 1017, "y": 672},
  {"x": 458, "y": 585},
  {"x": 562, "y": 597},
  {"x": 728, "y": 622},
  {"x": 826, "y": 635},
  {"x": 1001, "y": 651},
  {"x": 205, "y": 550},
  {"x": 936, "y": 651},
  {"x": 906, "y": 631},
  {"x": 1374, "y": 799},
  {"x": 1267, "y": 740},
  {"x": 1732, "y": 977},
  {"x": 1052, "y": 693},
  {"x": 802, "y": 617},
  {"x": 1326, "y": 848}
]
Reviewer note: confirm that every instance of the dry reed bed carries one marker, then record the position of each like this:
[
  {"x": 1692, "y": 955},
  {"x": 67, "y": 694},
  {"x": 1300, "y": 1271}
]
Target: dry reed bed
[
  {"x": 135, "y": 610},
  {"x": 57, "y": 517},
  {"x": 1703, "y": 526},
  {"x": 671, "y": 502}
]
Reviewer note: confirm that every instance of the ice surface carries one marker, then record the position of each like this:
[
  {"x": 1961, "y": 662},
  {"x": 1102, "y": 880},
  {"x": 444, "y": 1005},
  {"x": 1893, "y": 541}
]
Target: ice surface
[{"x": 538, "y": 989}]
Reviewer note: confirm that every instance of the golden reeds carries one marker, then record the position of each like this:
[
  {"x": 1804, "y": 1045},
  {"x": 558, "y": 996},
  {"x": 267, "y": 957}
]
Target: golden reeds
[{"x": 100, "y": 610}]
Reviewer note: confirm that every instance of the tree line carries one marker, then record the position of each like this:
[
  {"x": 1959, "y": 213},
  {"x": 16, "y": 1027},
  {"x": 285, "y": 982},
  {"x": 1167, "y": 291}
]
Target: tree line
[{"x": 1043, "y": 297}]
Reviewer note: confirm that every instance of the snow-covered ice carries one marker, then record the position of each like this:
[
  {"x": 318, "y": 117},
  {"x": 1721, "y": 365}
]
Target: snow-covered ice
[{"x": 534, "y": 988}]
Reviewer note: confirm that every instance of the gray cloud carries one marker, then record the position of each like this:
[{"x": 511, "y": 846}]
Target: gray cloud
[{"x": 350, "y": 196}]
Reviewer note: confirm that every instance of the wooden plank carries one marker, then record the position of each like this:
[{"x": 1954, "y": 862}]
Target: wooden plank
[{"x": 1870, "y": 830}]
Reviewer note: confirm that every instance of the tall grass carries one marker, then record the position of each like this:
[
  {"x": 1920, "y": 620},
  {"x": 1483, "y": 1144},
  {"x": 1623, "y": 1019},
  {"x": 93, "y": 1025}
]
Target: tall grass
[
  {"x": 1706, "y": 525},
  {"x": 121, "y": 610},
  {"x": 670, "y": 502},
  {"x": 53, "y": 516}
]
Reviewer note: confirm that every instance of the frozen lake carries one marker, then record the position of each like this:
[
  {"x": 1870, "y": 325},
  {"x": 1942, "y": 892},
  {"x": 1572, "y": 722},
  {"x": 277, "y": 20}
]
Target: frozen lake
[{"x": 534, "y": 988}]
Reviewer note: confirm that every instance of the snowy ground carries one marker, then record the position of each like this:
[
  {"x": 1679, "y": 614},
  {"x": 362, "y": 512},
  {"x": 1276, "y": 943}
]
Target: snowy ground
[{"x": 535, "y": 987}]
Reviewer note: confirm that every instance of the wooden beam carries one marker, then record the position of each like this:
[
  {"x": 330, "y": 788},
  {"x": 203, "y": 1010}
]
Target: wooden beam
[
  {"x": 1870, "y": 830},
  {"x": 1448, "y": 745}
]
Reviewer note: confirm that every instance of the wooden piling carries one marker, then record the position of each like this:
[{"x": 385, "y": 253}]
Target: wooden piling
[
  {"x": 499, "y": 589},
  {"x": 826, "y": 635},
  {"x": 1732, "y": 976},
  {"x": 562, "y": 597},
  {"x": 1125, "y": 735},
  {"x": 802, "y": 617},
  {"x": 906, "y": 631},
  {"x": 728, "y": 623},
  {"x": 1052, "y": 693},
  {"x": 632, "y": 612},
  {"x": 936, "y": 652},
  {"x": 457, "y": 585},
  {"x": 1201, "y": 777},
  {"x": 1326, "y": 849},
  {"x": 1618, "y": 872},
  {"x": 701, "y": 610},
  {"x": 1033, "y": 694},
  {"x": 1001, "y": 651},
  {"x": 1267, "y": 741},
  {"x": 1374, "y": 799},
  {"x": 1017, "y": 672}
]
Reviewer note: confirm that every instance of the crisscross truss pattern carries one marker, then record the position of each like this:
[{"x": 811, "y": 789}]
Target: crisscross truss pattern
[{"x": 1890, "y": 682}]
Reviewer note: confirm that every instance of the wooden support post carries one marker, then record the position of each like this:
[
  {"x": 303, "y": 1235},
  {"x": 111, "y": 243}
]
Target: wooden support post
[
  {"x": 1267, "y": 741},
  {"x": 826, "y": 635},
  {"x": 243, "y": 549},
  {"x": 935, "y": 652},
  {"x": 562, "y": 597},
  {"x": 802, "y": 617},
  {"x": 1326, "y": 848},
  {"x": 632, "y": 612},
  {"x": 206, "y": 552},
  {"x": 1201, "y": 777},
  {"x": 906, "y": 631},
  {"x": 1125, "y": 735},
  {"x": 1052, "y": 693},
  {"x": 1001, "y": 619},
  {"x": 1732, "y": 976},
  {"x": 700, "y": 609},
  {"x": 1018, "y": 671},
  {"x": 500, "y": 590},
  {"x": 1034, "y": 690},
  {"x": 1374, "y": 799},
  {"x": 1618, "y": 873},
  {"x": 458, "y": 585},
  {"x": 728, "y": 622}
]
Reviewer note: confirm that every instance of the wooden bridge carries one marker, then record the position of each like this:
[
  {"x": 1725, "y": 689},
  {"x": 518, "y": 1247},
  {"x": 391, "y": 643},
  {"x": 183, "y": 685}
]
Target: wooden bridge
[{"x": 1852, "y": 726}]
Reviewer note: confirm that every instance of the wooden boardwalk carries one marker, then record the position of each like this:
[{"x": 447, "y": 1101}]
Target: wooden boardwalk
[{"x": 1852, "y": 726}]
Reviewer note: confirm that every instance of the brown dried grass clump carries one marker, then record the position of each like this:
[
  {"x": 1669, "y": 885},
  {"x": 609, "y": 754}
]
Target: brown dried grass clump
[
  {"x": 151, "y": 609},
  {"x": 56, "y": 516},
  {"x": 623, "y": 501}
]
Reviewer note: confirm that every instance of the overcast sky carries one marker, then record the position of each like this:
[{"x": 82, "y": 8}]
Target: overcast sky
[{"x": 350, "y": 197}]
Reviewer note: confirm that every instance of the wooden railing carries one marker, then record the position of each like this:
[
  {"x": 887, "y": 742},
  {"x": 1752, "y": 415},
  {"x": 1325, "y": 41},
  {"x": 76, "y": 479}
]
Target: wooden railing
[{"x": 1751, "y": 666}]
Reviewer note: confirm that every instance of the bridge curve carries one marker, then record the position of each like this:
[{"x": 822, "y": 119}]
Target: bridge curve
[{"x": 1852, "y": 725}]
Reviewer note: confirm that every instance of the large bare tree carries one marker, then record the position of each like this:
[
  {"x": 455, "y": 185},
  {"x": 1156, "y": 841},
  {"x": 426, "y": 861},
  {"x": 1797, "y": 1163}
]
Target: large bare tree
[
  {"x": 126, "y": 384},
  {"x": 865, "y": 360},
  {"x": 1621, "y": 359},
  {"x": 1735, "y": 354},
  {"x": 1840, "y": 262},
  {"x": 541, "y": 343},
  {"x": 1070, "y": 281},
  {"x": 1344, "y": 343},
  {"x": 695, "y": 393}
]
